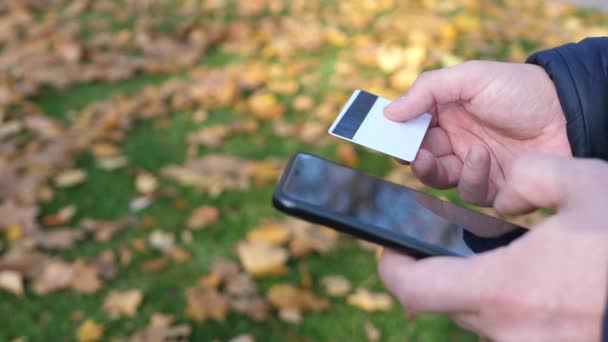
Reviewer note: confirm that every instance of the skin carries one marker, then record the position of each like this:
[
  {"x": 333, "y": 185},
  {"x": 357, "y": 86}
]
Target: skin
[
  {"x": 549, "y": 285},
  {"x": 485, "y": 115}
]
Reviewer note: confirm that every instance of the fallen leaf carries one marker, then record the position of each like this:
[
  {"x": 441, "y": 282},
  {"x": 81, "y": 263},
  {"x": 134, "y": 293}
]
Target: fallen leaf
[
  {"x": 262, "y": 259},
  {"x": 104, "y": 230},
  {"x": 272, "y": 232},
  {"x": 123, "y": 303},
  {"x": 161, "y": 240},
  {"x": 63, "y": 216},
  {"x": 59, "y": 239},
  {"x": 210, "y": 136},
  {"x": 161, "y": 329},
  {"x": 286, "y": 296},
  {"x": 243, "y": 338},
  {"x": 12, "y": 282},
  {"x": 55, "y": 275},
  {"x": 146, "y": 183},
  {"x": 14, "y": 215},
  {"x": 70, "y": 178},
  {"x": 203, "y": 216},
  {"x": 347, "y": 155},
  {"x": 336, "y": 285},
  {"x": 263, "y": 173},
  {"x": 179, "y": 255},
  {"x": 370, "y": 301},
  {"x": 290, "y": 315},
  {"x": 206, "y": 303},
  {"x": 307, "y": 238},
  {"x": 89, "y": 331},
  {"x": 155, "y": 265},
  {"x": 85, "y": 278},
  {"x": 265, "y": 106},
  {"x": 371, "y": 332}
]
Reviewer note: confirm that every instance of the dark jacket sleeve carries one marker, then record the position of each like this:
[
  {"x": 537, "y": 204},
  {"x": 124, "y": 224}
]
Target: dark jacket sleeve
[{"x": 580, "y": 74}]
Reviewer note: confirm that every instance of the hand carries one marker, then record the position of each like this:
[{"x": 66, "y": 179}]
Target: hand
[
  {"x": 549, "y": 285},
  {"x": 485, "y": 114}
]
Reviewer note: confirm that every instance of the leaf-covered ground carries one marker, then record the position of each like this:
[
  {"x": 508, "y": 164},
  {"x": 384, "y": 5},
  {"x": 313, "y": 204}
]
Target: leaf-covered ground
[{"x": 140, "y": 142}]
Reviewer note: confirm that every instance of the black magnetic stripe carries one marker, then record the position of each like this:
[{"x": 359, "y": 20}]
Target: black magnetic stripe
[{"x": 354, "y": 116}]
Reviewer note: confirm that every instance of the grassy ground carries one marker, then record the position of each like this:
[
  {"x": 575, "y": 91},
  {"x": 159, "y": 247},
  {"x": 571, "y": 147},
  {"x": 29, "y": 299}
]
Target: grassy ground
[{"x": 106, "y": 196}]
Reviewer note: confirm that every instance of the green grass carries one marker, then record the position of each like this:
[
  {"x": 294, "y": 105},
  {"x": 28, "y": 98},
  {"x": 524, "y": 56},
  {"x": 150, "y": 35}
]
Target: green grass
[{"x": 106, "y": 196}]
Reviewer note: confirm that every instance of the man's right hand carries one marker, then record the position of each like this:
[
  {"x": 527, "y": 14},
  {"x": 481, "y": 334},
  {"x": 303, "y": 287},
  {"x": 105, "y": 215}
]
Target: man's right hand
[{"x": 485, "y": 115}]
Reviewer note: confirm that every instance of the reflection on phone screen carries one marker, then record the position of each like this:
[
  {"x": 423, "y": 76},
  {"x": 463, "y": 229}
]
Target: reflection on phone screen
[{"x": 391, "y": 207}]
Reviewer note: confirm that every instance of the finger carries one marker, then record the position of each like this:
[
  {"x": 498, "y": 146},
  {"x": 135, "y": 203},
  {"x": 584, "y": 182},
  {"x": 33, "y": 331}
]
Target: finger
[
  {"x": 542, "y": 181},
  {"x": 473, "y": 185},
  {"x": 433, "y": 285},
  {"x": 439, "y": 173},
  {"x": 435, "y": 88},
  {"x": 437, "y": 142}
]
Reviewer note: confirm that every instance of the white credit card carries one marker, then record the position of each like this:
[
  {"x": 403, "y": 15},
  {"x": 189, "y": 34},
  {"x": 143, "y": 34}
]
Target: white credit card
[{"x": 362, "y": 121}]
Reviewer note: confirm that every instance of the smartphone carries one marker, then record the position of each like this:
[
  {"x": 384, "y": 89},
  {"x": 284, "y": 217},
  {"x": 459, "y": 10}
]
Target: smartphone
[{"x": 389, "y": 214}]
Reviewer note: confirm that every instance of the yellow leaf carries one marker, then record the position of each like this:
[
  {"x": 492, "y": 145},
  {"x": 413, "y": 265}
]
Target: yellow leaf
[
  {"x": 265, "y": 106},
  {"x": 262, "y": 259},
  {"x": 13, "y": 232},
  {"x": 370, "y": 301},
  {"x": 274, "y": 233},
  {"x": 263, "y": 172},
  {"x": 89, "y": 331}
]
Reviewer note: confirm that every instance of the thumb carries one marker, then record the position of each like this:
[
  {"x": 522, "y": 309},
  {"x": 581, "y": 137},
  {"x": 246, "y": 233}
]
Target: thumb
[
  {"x": 432, "y": 88},
  {"x": 434, "y": 285},
  {"x": 541, "y": 181}
]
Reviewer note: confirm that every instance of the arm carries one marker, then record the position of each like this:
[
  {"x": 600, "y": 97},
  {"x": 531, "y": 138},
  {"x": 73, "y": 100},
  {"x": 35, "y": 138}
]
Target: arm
[{"x": 580, "y": 74}]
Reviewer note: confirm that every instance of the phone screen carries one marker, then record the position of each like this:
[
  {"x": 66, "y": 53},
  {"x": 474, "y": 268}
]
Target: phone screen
[{"x": 393, "y": 208}]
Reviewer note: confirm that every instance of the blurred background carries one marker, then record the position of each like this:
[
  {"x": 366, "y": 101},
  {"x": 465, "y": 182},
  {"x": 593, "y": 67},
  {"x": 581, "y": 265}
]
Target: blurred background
[{"x": 140, "y": 142}]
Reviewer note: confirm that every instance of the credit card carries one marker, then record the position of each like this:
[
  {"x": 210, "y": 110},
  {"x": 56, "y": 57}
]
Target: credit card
[{"x": 362, "y": 121}]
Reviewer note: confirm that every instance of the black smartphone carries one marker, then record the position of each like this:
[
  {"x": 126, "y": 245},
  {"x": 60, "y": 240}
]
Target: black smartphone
[{"x": 389, "y": 214}]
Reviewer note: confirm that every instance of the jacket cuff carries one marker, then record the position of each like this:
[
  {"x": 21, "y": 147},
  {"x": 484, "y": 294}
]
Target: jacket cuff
[{"x": 580, "y": 74}]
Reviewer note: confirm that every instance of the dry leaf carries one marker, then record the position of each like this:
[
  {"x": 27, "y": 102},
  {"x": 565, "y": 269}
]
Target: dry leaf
[
  {"x": 286, "y": 296},
  {"x": 272, "y": 232},
  {"x": 85, "y": 278},
  {"x": 307, "y": 238},
  {"x": 55, "y": 275},
  {"x": 225, "y": 268},
  {"x": 89, "y": 331},
  {"x": 206, "y": 303},
  {"x": 262, "y": 259},
  {"x": 265, "y": 106},
  {"x": 70, "y": 178},
  {"x": 263, "y": 173},
  {"x": 371, "y": 332},
  {"x": 179, "y": 255},
  {"x": 347, "y": 155},
  {"x": 336, "y": 285},
  {"x": 203, "y": 216},
  {"x": 160, "y": 329},
  {"x": 155, "y": 265},
  {"x": 123, "y": 303},
  {"x": 22, "y": 216},
  {"x": 370, "y": 301},
  {"x": 210, "y": 136},
  {"x": 243, "y": 338},
  {"x": 12, "y": 282},
  {"x": 146, "y": 183},
  {"x": 63, "y": 216},
  {"x": 58, "y": 239},
  {"x": 161, "y": 240}
]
